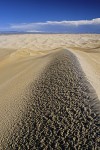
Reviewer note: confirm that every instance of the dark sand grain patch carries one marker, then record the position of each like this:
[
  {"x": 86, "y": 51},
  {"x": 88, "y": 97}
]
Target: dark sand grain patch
[{"x": 62, "y": 110}]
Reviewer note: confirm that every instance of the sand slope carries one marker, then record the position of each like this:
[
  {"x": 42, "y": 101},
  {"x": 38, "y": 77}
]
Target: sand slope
[
  {"x": 61, "y": 112},
  {"x": 86, "y": 47},
  {"x": 24, "y": 57},
  {"x": 16, "y": 72}
]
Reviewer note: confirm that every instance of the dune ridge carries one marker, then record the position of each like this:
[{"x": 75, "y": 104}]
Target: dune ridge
[
  {"x": 85, "y": 46},
  {"x": 62, "y": 110},
  {"x": 15, "y": 76},
  {"x": 31, "y": 65}
]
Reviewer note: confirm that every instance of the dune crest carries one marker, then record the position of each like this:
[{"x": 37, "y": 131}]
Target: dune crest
[
  {"x": 61, "y": 109},
  {"x": 23, "y": 61}
]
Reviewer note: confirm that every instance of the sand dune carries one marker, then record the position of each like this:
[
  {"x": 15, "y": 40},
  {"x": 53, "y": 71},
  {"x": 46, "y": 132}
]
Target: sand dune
[
  {"x": 86, "y": 47},
  {"x": 60, "y": 110},
  {"x": 24, "y": 59},
  {"x": 16, "y": 74}
]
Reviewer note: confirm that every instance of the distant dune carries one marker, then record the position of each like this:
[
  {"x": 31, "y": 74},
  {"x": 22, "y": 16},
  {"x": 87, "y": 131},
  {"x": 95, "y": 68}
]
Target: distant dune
[{"x": 41, "y": 74}]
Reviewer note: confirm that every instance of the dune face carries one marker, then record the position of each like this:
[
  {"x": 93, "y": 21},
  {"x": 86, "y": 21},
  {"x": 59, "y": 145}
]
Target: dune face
[
  {"x": 16, "y": 74},
  {"x": 46, "y": 101},
  {"x": 86, "y": 47}
]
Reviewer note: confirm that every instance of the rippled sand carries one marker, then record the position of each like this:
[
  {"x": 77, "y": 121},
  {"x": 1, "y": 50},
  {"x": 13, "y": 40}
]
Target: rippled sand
[{"x": 23, "y": 60}]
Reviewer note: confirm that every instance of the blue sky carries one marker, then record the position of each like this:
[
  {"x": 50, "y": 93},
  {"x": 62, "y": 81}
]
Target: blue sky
[{"x": 70, "y": 16}]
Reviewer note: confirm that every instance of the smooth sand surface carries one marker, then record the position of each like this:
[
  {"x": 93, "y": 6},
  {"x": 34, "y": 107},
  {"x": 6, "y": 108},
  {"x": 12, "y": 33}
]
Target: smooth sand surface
[{"x": 23, "y": 58}]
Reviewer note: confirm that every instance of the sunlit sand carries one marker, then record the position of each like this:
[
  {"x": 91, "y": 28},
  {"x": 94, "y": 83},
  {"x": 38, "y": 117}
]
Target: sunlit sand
[{"x": 24, "y": 59}]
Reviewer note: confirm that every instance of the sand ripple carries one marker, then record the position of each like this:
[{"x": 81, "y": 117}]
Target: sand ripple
[{"x": 61, "y": 113}]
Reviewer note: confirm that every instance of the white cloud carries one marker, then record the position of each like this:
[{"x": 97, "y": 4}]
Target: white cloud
[
  {"x": 36, "y": 31},
  {"x": 61, "y": 23},
  {"x": 75, "y": 23},
  {"x": 53, "y": 25}
]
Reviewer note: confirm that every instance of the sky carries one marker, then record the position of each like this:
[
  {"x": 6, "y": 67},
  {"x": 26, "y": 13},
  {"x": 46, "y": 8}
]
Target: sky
[{"x": 65, "y": 16}]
